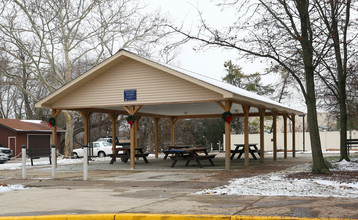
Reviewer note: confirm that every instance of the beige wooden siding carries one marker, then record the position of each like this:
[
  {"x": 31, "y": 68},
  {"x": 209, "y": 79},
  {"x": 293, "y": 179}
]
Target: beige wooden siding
[{"x": 152, "y": 85}]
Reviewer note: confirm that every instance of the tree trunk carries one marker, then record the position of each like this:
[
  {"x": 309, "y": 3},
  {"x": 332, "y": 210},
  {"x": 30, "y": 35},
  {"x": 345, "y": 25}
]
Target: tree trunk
[
  {"x": 69, "y": 133},
  {"x": 342, "y": 73},
  {"x": 28, "y": 109},
  {"x": 343, "y": 131},
  {"x": 319, "y": 165}
]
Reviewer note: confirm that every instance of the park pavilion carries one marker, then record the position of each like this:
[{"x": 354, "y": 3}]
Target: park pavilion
[{"x": 129, "y": 84}]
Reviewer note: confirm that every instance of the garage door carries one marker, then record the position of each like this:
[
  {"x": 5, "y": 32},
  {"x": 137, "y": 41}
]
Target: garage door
[{"x": 39, "y": 141}]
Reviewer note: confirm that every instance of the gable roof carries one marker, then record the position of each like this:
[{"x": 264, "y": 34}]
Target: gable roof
[
  {"x": 214, "y": 90},
  {"x": 26, "y": 125}
]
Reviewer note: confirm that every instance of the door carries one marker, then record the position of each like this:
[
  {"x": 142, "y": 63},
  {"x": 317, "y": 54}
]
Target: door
[{"x": 12, "y": 145}]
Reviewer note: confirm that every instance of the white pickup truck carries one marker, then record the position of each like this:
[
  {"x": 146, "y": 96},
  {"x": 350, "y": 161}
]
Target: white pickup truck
[{"x": 100, "y": 149}]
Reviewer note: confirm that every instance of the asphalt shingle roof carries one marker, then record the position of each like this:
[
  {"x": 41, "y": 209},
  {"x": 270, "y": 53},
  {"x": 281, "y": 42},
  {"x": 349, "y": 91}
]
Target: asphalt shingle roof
[{"x": 26, "y": 125}]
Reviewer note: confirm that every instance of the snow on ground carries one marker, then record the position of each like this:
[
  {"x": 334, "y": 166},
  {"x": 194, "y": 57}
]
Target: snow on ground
[
  {"x": 45, "y": 162},
  {"x": 346, "y": 166},
  {"x": 7, "y": 188},
  {"x": 41, "y": 162},
  {"x": 274, "y": 184}
]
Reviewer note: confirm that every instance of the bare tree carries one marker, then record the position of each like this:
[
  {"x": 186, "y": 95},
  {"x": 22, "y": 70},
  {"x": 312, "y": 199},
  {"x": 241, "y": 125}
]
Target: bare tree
[
  {"x": 340, "y": 29},
  {"x": 283, "y": 32},
  {"x": 352, "y": 102},
  {"x": 8, "y": 91},
  {"x": 46, "y": 39},
  {"x": 7, "y": 94}
]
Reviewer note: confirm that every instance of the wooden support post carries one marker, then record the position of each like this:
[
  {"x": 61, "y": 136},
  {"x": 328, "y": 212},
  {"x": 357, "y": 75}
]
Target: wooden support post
[
  {"x": 246, "y": 109},
  {"x": 86, "y": 116},
  {"x": 132, "y": 153},
  {"x": 285, "y": 136},
  {"x": 54, "y": 114},
  {"x": 227, "y": 108},
  {"x": 172, "y": 123},
  {"x": 293, "y": 136},
  {"x": 114, "y": 117},
  {"x": 274, "y": 124},
  {"x": 136, "y": 139},
  {"x": 131, "y": 111},
  {"x": 132, "y": 156},
  {"x": 262, "y": 133},
  {"x": 156, "y": 129}
]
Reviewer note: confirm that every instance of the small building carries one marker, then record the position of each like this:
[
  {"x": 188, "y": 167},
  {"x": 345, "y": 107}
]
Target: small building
[{"x": 33, "y": 133}]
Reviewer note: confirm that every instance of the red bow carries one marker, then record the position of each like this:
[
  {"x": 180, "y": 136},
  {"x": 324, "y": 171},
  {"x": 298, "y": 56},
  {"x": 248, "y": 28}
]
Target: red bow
[
  {"x": 228, "y": 119},
  {"x": 131, "y": 122}
]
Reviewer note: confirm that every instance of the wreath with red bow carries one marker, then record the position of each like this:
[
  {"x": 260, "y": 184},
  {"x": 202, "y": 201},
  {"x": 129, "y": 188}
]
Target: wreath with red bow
[
  {"x": 131, "y": 119},
  {"x": 51, "y": 122},
  {"x": 227, "y": 117}
]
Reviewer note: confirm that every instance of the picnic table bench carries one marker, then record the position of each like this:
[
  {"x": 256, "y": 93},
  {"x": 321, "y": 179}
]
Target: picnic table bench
[
  {"x": 189, "y": 154},
  {"x": 126, "y": 155},
  {"x": 240, "y": 149},
  {"x": 36, "y": 153},
  {"x": 351, "y": 143}
]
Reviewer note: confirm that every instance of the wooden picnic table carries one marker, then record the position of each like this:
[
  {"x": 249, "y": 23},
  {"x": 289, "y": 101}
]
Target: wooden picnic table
[
  {"x": 240, "y": 149},
  {"x": 126, "y": 154},
  {"x": 171, "y": 147},
  {"x": 189, "y": 154}
]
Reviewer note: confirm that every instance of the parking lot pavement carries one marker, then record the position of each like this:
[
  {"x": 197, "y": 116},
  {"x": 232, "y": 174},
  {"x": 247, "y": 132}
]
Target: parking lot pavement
[{"x": 157, "y": 189}]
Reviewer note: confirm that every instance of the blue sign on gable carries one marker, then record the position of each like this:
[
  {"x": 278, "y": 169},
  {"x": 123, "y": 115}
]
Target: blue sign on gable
[{"x": 130, "y": 95}]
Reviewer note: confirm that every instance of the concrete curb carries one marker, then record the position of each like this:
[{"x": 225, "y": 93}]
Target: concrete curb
[
  {"x": 63, "y": 217},
  {"x": 146, "y": 216}
]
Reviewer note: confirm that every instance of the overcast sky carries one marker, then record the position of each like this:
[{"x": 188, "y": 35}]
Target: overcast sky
[{"x": 211, "y": 61}]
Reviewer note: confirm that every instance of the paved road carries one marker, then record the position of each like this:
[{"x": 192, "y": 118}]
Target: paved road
[{"x": 156, "y": 188}]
